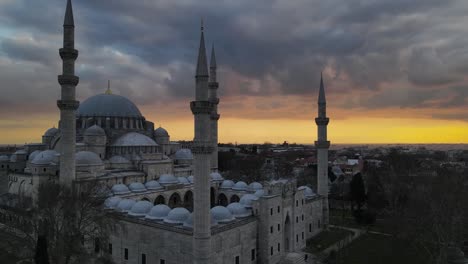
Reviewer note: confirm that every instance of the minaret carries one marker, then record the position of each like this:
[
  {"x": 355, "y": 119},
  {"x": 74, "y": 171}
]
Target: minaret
[
  {"x": 67, "y": 103},
  {"x": 322, "y": 145},
  {"x": 202, "y": 149},
  {"x": 214, "y": 115}
]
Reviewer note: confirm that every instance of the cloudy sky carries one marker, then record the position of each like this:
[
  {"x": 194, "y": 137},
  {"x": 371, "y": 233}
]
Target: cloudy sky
[{"x": 395, "y": 71}]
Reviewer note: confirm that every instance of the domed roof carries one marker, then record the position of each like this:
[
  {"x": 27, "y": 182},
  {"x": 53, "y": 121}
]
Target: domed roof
[
  {"x": 118, "y": 160},
  {"x": 183, "y": 154},
  {"x": 46, "y": 157},
  {"x": 140, "y": 208},
  {"x": 4, "y": 158},
  {"x": 134, "y": 139},
  {"x": 94, "y": 130},
  {"x": 137, "y": 187},
  {"x": 238, "y": 210},
  {"x": 21, "y": 152},
  {"x": 112, "y": 202},
  {"x": 168, "y": 179},
  {"x": 160, "y": 132},
  {"x": 87, "y": 158},
  {"x": 120, "y": 189},
  {"x": 216, "y": 176},
  {"x": 107, "y": 105},
  {"x": 259, "y": 193},
  {"x": 32, "y": 155},
  {"x": 177, "y": 216},
  {"x": 190, "y": 178},
  {"x": 153, "y": 185},
  {"x": 221, "y": 214},
  {"x": 125, "y": 205},
  {"x": 240, "y": 186},
  {"x": 158, "y": 212},
  {"x": 183, "y": 180},
  {"x": 51, "y": 132},
  {"x": 308, "y": 192},
  {"x": 227, "y": 184},
  {"x": 13, "y": 158},
  {"x": 255, "y": 186},
  {"x": 247, "y": 200}
]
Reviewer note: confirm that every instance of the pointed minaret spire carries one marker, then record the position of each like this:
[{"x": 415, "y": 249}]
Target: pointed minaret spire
[
  {"x": 213, "y": 65},
  {"x": 68, "y": 21},
  {"x": 321, "y": 98},
  {"x": 202, "y": 65}
]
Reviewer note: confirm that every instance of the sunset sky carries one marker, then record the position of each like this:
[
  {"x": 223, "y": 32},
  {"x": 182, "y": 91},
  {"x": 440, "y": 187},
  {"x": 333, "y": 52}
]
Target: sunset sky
[{"x": 394, "y": 71}]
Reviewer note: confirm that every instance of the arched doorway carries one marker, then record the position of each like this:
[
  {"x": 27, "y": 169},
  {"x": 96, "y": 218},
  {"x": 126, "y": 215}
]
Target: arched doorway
[
  {"x": 222, "y": 199},
  {"x": 234, "y": 199},
  {"x": 188, "y": 201},
  {"x": 287, "y": 234},
  {"x": 213, "y": 197},
  {"x": 159, "y": 200},
  {"x": 174, "y": 200}
]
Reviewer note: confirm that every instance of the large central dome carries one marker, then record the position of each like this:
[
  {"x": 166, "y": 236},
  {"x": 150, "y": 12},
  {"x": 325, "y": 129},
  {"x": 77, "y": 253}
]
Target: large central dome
[{"x": 108, "y": 105}]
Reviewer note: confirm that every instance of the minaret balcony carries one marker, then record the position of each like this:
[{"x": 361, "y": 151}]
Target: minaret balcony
[
  {"x": 213, "y": 85},
  {"x": 322, "y": 144},
  {"x": 322, "y": 121},
  {"x": 215, "y": 116},
  {"x": 67, "y": 53},
  {"x": 68, "y": 104},
  {"x": 68, "y": 80},
  {"x": 201, "y": 107}
]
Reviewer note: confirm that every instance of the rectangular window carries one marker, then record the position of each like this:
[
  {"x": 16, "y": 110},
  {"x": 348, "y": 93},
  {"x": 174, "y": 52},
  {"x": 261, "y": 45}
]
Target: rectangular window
[
  {"x": 297, "y": 219},
  {"x": 252, "y": 257},
  {"x": 297, "y": 238},
  {"x": 302, "y": 235},
  {"x": 271, "y": 229},
  {"x": 271, "y": 251},
  {"x": 279, "y": 227},
  {"x": 297, "y": 203},
  {"x": 143, "y": 258},
  {"x": 279, "y": 209},
  {"x": 237, "y": 260},
  {"x": 162, "y": 261},
  {"x": 302, "y": 217},
  {"x": 279, "y": 247},
  {"x": 271, "y": 211},
  {"x": 126, "y": 254},
  {"x": 110, "y": 248},
  {"x": 310, "y": 227}
]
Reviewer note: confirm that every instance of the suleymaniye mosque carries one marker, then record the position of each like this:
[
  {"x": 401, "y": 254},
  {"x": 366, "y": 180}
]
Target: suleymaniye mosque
[{"x": 173, "y": 203}]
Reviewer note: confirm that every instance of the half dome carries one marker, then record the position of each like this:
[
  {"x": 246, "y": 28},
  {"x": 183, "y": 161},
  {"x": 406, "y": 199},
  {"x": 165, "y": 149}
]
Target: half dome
[{"x": 134, "y": 139}]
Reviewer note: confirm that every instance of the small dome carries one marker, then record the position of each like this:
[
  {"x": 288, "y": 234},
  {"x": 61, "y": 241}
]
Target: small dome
[
  {"x": 32, "y": 155},
  {"x": 227, "y": 184},
  {"x": 120, "y": 189},
  {"x": 161, "y": 132},
  {"x": 94, "y": 130},
  {"x": 119, "y": 160},
  {"x": 137, "y": 187},
  {"x": 4, "y": 158},
  {"x": 140, "y": 208},
  {"x": 238, "y": 210},
  {"x": 308, "y": 192},
  {"x": 190, "y": 178},
  {"x": 259, "y": 193},
  {"x": 51, "y": 132},
  {"x": 21, "y": 152},
  {"x": 153, "y": 185},
  {"x": 177, "y": 216},
  {"x": 46, "y": 157},
  {"x": 158, "y": 212},
  {"x": 167, "y": 179},
  {"x": 183, "y": 154},
  {"x": 183, "y": 180},
  {"x": 216, "y": 176},
  {"x": 247, "y": 200},
  {"x": 240, "y": 186},
  {"x": 112, "y": 202},
  {"x": 13, "y": 158},
  {"x": 87, "y": 158},
  {"x": 134, "y": 139},
  {"x": 255, "y": 186},
  {"x": 221, "y": 214},
  {"x": 125, "y": 205}
]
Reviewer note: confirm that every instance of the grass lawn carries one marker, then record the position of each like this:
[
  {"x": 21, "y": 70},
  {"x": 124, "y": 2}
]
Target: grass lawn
[
  {"x": 370, "y": 248},
  {"x": 325, "y": 239}
]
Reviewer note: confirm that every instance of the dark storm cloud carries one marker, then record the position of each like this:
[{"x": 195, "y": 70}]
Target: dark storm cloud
[{"x": 148, "y": 48}]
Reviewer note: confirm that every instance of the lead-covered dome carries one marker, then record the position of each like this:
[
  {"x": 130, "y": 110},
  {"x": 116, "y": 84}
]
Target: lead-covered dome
[
  {"x": 87, "y": 158},
  {"x": 46, "y": 157},
  {"x": 134, "y": 139},
  {"x": 216, "y": 176},
  {"x": 112, "y": 202},
  {"x": 120, "y": 189},
  {"x": 137, "y": 187},
  {"x": 183, "y": 154},
  {"x": 158, "y": 212},
  {"x": 153, "y": 185},
  {"x": 308, "y": 192},
  {"x": 255, "y": 186},
  {"x": 51, "y": 132},
  {"x": 240, "y": 186},
  {"x": 94, "y": 130},
  {"x": 177, "y": 216},
  {"x": 108, "y": 105},
  {"x": 238, "y": 210},
  {"x": 161, "y": 132},
  {"x": 125, "y": 205},
  {"x": 227, "y": 184},
  {"x": 140, "y": 209},
  {"x": 247, "y": 200},
  {"x": 221, "y": 214},
  {"x": 168, "y": 179}
]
